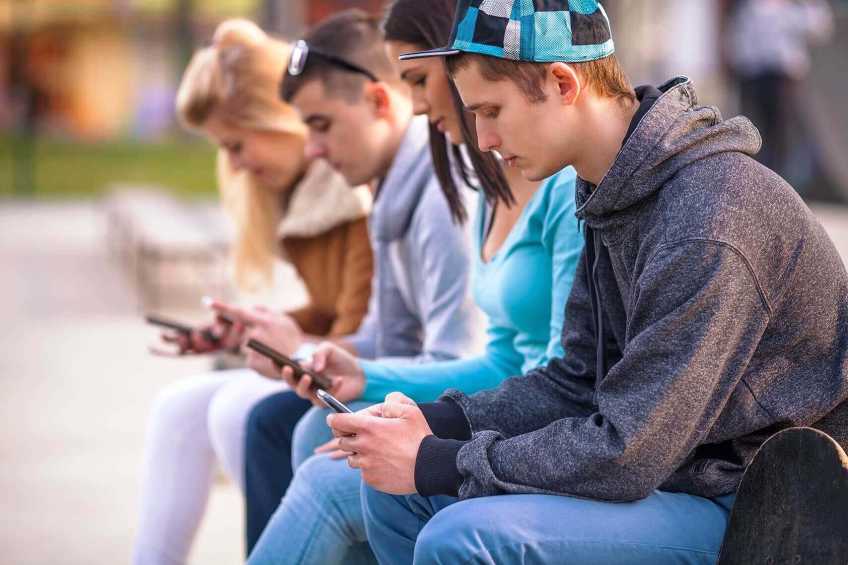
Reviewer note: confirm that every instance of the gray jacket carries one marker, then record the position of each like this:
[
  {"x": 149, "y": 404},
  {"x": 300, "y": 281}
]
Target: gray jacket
[
  {"x": 725, "y": 315},
  {"x": 421, "y": 306}
]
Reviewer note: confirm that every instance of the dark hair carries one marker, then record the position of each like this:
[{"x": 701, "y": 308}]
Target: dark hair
[
  {"x": 428, "y": 23},
  {"x": 352, "y": 36},
  {"x": 604, "y": 76}
]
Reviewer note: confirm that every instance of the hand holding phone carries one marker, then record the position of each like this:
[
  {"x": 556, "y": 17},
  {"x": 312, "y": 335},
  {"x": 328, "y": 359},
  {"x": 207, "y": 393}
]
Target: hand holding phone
[
  {"x": 187, "y": 334},
  {"x": 319, "y": 381}
]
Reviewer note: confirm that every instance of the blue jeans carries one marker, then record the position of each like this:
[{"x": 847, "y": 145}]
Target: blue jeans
[
  {"x": 268, "y": 465},
  {"x": 320, "y": 519},
  {"x": 663, "y": 528}
]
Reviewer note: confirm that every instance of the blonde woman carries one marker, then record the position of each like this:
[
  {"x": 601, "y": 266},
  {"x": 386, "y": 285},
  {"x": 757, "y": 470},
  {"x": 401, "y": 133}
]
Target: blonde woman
[{"x": 282, "y": 204}]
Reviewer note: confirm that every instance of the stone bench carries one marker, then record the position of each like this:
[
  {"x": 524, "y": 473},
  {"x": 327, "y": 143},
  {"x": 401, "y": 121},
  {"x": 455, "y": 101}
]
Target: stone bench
[{"x": 174, "y": 251}]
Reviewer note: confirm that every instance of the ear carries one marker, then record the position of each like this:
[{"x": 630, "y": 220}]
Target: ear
[
  {"x": 378, "y": 98},
  {"x": 566, "y": 82}
]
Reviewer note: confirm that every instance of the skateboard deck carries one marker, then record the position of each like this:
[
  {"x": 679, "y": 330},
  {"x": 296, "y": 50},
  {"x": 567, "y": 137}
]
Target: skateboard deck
[{"x": 792, "y": 504}]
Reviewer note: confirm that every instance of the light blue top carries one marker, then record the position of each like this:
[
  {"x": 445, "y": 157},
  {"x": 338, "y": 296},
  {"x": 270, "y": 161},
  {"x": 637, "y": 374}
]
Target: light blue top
[{"x": 522, "y": 290}]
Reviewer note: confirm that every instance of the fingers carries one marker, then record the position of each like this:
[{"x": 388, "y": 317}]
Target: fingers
[
  {"x": 399, "y": 398},
  {"x": 321, "y": 357},
  {"x": 159, "y": 352},
  {"x": 236, "y": 313},
  {"x": 355, "y": 461},
  {"x": 288, "y": 377},
  {"x": 348, "y": 424},
  {"x": 304, "y": 386},
  {"x": 339, "y": 454},
  {"x": 329, "y": 447},
  {"x": 200, "y": 343},
  {"x": 178, "y": 339},
  {"x": 375, "y": 411}
]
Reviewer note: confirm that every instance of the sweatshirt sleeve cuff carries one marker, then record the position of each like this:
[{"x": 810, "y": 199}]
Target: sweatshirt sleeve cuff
[
  {"x": 446, "y": 420},
  {"x": 436, "y": 472}
]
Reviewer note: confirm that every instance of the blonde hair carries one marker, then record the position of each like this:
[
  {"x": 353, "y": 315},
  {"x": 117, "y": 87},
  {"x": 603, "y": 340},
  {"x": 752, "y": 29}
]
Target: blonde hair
[{"x": 238, "y": 78}]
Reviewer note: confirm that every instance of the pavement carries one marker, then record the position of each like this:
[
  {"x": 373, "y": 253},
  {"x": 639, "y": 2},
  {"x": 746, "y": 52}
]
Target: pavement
[{"x": 76, "y": 385}]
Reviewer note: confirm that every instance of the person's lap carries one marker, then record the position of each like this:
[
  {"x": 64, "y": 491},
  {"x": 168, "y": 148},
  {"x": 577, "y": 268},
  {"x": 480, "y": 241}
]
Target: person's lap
[
  {"x": 320, "y": 518},
  {"x": 663, "y": 528}
]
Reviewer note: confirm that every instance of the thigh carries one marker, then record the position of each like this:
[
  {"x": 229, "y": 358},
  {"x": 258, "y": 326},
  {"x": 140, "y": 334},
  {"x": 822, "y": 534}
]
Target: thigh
[
  {"x": 312, "y": 431},
  {"x": 228, "y": 413},
  {"x": 663, "y": 528},
  {"x": 184, "y": 404},
  {"x": 319, "y": 520}
]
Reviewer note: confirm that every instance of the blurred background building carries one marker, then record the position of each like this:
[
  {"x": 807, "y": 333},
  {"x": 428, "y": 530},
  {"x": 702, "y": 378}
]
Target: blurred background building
[{"x": 77, "y": 73}]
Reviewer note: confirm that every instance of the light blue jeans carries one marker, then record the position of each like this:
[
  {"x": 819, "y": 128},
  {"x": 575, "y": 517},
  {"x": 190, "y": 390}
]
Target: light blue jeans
[
  {"x": 664, "y": 528},
  {"x": 320, "y": 519}
]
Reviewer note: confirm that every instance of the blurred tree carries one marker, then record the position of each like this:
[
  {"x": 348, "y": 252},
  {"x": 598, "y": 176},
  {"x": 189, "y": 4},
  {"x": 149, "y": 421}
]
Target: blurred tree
[{"x": 183, "y": 30}]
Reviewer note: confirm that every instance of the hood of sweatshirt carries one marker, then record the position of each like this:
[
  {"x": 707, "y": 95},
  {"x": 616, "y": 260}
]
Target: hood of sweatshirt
[{"x": 672, "y": 135}]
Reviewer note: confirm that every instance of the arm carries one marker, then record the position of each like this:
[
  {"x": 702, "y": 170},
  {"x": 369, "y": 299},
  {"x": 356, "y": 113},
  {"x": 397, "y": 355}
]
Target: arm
[
  {"x": 697, "y": 321},
  {"x": 364, "y": 342},
  {"x": 426, "y": 382},
  {"x": 449, "y": 317}
]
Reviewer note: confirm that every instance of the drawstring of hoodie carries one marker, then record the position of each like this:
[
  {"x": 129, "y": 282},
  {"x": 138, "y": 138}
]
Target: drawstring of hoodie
[{"x": 591, "y": 260}]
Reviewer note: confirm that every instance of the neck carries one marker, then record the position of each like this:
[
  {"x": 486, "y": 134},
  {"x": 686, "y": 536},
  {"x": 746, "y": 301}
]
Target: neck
[
  {"x": 521, "y": 188},
  {"x": 606, "y": 124},
  {"x": 400, "y": 118}
]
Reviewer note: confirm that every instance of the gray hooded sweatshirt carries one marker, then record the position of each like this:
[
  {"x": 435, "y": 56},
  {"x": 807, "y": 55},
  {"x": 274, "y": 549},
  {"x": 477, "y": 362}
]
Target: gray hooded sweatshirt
[{"x": 723, "y": 309}]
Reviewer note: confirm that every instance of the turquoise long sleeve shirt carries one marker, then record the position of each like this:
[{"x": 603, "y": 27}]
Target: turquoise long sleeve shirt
[{"x": 522, "y": 290}]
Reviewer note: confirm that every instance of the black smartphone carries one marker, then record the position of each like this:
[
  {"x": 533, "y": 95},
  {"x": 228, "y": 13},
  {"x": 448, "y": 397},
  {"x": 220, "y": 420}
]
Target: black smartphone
[
  {"x": 319, "y": 381},
  {"x": 332, "y": 402},
  {"x": 169, "y": 324},
  {"x": 184, "y": 329}
]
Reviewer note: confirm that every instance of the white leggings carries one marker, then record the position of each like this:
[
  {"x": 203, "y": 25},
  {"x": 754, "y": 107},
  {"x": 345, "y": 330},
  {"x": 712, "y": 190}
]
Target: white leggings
[{"x": 194, "y": 423}]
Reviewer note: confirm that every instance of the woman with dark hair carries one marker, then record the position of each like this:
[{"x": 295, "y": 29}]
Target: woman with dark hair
[{"x": 527, "y": 245}]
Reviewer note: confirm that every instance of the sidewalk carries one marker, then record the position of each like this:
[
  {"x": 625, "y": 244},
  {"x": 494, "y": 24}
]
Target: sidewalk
[{"x": 76, "y": 384}]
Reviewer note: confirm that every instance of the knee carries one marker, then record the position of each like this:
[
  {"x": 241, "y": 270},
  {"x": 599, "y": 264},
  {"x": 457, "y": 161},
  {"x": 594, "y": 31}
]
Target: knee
[
  {"x": 180, "y": 405},
  {"x": 449, "y": 537},
  {"x": 310, "y": 432},
  {"x": 275, "y": 417},
  {"x": 377, "y": 507},
  {"x": 324, "y": 481},
  {"x": 227, "y": 415}
]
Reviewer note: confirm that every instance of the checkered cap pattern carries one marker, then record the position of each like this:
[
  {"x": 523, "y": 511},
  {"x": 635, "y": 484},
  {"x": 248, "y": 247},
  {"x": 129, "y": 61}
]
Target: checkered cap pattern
[{"x": 540, "y": 31}]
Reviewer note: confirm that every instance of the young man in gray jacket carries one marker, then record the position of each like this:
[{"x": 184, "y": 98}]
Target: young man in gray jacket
[
  {"x": 360, "y": 120},
  {"x": 710, "y": 311}
]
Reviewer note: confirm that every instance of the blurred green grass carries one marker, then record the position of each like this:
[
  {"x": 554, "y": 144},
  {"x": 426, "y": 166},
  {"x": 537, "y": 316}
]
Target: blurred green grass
[{"x": 72, "y": 169}]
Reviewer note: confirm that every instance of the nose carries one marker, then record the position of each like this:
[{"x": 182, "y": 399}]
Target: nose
[
  {"x": 420, "y": 107},
  {"x": 315, "y": 149},
  {"x": 487, "y": 140}
]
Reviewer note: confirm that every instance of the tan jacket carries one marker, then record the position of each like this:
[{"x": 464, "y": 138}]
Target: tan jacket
[{"x": 324, "y": 235}]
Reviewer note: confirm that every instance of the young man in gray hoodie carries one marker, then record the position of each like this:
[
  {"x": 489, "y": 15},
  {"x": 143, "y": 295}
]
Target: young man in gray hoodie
[{"x": 710, "y": 311}]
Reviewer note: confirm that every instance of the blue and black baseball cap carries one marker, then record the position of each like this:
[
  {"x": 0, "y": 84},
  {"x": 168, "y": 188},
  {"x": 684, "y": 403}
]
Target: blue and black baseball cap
[{"x": 538, "y": 31}]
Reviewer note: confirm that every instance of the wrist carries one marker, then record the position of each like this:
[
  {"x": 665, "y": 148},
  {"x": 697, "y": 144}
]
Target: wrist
[{"x": 436, "y": 471}]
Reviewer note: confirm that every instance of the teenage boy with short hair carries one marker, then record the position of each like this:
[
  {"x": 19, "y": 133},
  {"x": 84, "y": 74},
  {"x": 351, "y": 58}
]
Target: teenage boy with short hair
[
  {"x": 710, "y": 310},
  {"x": 360, "y": 119}
]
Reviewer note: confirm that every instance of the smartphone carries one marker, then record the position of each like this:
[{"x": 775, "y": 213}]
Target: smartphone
[
  {"x": 333, "y": 402},
  {"x": 169, "y": 324},
  {"x": 184, "y": 329},
  {"x": 319, "y": 381}
]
